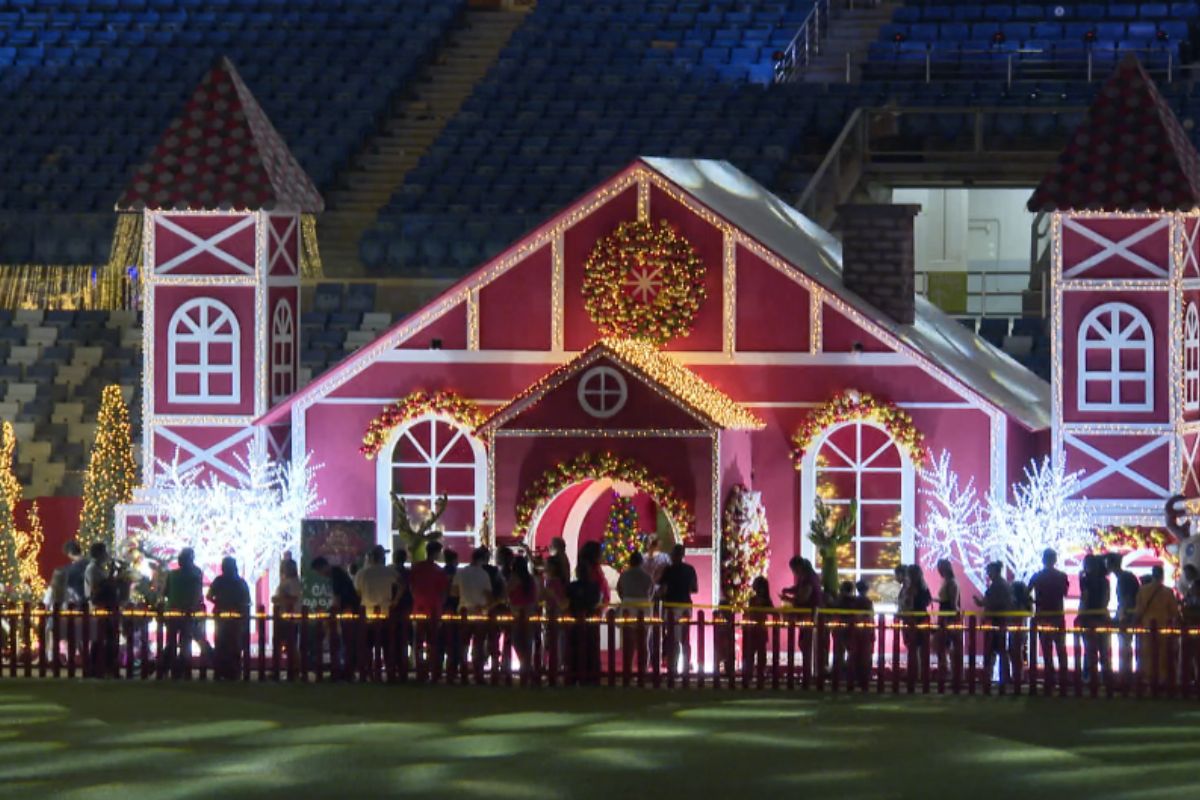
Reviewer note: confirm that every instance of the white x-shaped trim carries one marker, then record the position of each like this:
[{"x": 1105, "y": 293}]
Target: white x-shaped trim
[
  {"x": 1120, "y": 465},
  {"x": 1191, "y": 265},
  {"x": 209, "y": 246},
  {"x": 198, "y": 455},
  {"x": 279, "y": 245},
  {"x": 279, "y": 447},
  {"x": 1119, "y": 249},
  {"x": 1191, "y": 478}
]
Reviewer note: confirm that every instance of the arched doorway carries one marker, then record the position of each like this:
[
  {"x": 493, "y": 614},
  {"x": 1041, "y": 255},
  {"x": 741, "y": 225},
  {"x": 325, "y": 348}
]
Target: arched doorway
[{"x": 580, "y": 512}]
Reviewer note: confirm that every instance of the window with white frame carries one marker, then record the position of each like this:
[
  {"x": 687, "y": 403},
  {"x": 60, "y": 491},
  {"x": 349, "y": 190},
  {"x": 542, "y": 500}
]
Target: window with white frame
[
  {"x": 283, "y": 350},
  {"x": 1191, "y": 359},
  {"x": 859, "y": 461},
  {"x": 203, "y": 353},
  {"x": 1116, "y": 360},
  {"x": 425, "y": 458}
]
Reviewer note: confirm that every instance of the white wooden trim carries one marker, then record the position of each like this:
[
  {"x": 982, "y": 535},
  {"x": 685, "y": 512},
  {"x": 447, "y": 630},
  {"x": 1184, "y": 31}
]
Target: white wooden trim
[
  {"x": 1095, "y": 335},
  {"x": 690, "y": 358},
  {"x": 204, "y": 335},
  {"x": 207, "y": 456},
  {"x": 1119, "y": 465},
  {"x": 1119, "y": 249},
  {"x": 209, "y": 246}
]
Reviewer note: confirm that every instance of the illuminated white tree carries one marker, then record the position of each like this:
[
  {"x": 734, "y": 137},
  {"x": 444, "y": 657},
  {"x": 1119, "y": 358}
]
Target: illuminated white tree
[
  {"x": 954, "y": 527},
  {"x": 255, "y": 519},
  {"x": 1045, "y": 511}
]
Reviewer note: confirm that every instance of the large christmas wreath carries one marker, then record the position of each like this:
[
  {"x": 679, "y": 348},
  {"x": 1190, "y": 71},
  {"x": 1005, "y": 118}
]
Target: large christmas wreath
[
  {"x": 591, "y": 466},
  {"x": 744, "y": 547},
  {"x": 416, "y": 404},
  {"x": 643, "y": 281},
  {"x": 853, "y": 405}
]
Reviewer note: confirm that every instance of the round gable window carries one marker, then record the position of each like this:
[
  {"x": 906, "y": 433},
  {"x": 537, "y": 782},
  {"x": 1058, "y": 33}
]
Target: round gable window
[{"x": 602, "y": 392}]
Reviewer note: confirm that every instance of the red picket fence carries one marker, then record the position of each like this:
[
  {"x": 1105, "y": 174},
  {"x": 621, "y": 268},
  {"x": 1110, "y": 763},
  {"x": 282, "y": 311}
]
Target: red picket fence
[{"x": 830, "y": 650}]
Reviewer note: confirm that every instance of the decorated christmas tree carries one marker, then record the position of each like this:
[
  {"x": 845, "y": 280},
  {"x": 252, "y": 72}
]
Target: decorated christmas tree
[
  {"x": 621, "y": 534},
  {"x": 111, "y": 472},
  {"x": 19, "y": 577},
  {"x": 744, "y": 547}
]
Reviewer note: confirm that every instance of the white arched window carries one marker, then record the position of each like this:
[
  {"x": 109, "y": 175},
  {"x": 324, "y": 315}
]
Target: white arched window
[
  {"x": 859, "y": 461},
  {"x": 283, "y": 350},
  {"x": 1191, "y": 359},
  {"x": 1116, "y": 360},
  {"x": 203, "y": 353},
  {"x": 425, "y": 458}
]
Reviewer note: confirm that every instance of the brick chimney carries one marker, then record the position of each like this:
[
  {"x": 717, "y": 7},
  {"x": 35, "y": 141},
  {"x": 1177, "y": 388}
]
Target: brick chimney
[{"x": 877, "y": 256}]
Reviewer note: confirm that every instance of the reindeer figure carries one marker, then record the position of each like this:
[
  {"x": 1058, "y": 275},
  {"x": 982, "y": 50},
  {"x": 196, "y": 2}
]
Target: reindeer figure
[
  {"x": 1188, "y": 546},
  {"x": 413, "y": 538}
]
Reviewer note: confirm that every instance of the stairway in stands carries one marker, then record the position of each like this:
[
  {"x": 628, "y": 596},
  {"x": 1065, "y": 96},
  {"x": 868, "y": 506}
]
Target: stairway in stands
[
  {"x": 368, "y": 183},
  {"x": 846, "y": 41}
]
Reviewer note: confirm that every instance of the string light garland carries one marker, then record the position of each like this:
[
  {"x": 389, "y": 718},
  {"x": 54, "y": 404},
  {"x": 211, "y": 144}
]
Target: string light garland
[
  {"x": 850, "y": 406},
  {"x": 417, "y": 404},
  {"x": 621, "y": 535},
  {"x": 593, "y": 466},
  {"x": 644, "y": 281},
  {"x": 745, "y": 548},
  {"x": 20, "y": 580},
  {"x": 111, "y": 473}
]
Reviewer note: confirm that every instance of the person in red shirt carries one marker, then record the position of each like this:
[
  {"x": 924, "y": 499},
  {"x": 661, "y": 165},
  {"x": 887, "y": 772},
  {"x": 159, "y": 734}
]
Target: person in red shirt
[
  {"x": 1049, "y": 589},
  {"x": 429, "y": 583}
]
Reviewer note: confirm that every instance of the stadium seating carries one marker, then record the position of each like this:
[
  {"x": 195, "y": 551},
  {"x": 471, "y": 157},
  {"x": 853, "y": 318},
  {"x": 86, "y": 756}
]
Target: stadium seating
[
  {"x": 580, "y": 90},
  {"x": 979, "y": 35},
  {"x": 88, "y": 88}
]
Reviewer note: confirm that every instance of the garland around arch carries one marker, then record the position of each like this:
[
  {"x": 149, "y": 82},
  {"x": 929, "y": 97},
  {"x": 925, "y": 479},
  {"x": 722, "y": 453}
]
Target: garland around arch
[
  {"x": 852, "y": 405},
  {"x": 590, "y": 466},
  {"x": 416, "y": 404}
]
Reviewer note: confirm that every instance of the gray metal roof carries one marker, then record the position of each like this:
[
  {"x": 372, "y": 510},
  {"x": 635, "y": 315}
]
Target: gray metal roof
[{"x": 816, "y": 253}]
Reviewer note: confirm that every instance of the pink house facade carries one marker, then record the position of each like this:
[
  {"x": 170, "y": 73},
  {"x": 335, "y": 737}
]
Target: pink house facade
[{"x": 788, "y": 323}]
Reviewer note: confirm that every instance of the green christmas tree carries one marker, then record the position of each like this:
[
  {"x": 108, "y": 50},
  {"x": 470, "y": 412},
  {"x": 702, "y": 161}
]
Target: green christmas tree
[
  {"x": 19, "y": 577},
  {"x": 621, "y": 534},
  {"x": 111, "y": 473}
]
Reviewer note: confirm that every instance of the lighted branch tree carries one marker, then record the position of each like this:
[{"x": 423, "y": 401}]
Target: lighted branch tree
[
  {"x": 827, "y": 534},
  {"x": 20, "y": 580},
  {"x": 415, "y": 536},
  {"x": 254, "y": 519},
  {"x": 111, "y": 472},
  {"x": 1045, "y": 511},
  {"x": 954, "y": 528},
  {"x": 1042, "y": 514}
]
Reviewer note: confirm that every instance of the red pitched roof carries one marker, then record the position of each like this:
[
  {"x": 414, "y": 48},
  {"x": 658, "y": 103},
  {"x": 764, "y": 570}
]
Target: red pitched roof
[
  {"x": 221, "y": 152},
  {"x": 1130, "y": 154}
]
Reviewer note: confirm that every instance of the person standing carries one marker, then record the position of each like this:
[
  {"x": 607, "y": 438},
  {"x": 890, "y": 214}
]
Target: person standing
[
  {"x": 473, "y": 587},
  {"x": 377, "y": 585},
  {"x": 429, "y": 584},
  {"x": 524, "y": 595},
  {"x": 287, "y": 600},
  {"x": 344, "y": 600},
  {"x": 635, "y": 587},
  {"x": 1127, "y": 587},
  {"x": 1049, "y": 587},
  {"x": 452, "y": 637},
  {"x": 676, "y": 587},
  {"x": 230, "y": 597},
  {"x": 1157, "y": 609},
  {"x": 914, "y": 600},
  {"x": 997, "y": 601},
  {"x": 75, "y": 568},
  {"x": 1093, "y": 615},
  {"x": 182, "y": 599},
  {"x": 754, "y": 629},
  {"x": 949, "y": 600}
]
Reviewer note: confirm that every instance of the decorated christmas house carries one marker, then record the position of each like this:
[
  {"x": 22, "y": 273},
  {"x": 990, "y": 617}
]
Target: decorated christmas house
[{"x": 680, "y": 354}]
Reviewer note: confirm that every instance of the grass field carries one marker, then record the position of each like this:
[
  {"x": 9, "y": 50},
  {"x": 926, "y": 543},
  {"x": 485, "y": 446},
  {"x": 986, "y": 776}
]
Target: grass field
[{"x": 171, "y": 741}]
